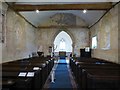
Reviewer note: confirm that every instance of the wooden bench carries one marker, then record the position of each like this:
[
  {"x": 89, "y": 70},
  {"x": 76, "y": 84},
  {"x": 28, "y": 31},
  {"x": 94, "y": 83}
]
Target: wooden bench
[
  {"x": 101, "y": 79},
  {"x": 78, "y": 65},
  {"x": 39, "y": 66}
]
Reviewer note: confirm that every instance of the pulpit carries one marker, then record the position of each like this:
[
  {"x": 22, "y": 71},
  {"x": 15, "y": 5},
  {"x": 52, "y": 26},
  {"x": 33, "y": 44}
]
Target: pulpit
[{"x": 85, "y": 53}]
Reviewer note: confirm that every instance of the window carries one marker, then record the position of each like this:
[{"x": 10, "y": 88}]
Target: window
[
  {"x": 62, "y": 44},
  {"x": 87, "y": 49},
  {"x": 94, "y": 42}
]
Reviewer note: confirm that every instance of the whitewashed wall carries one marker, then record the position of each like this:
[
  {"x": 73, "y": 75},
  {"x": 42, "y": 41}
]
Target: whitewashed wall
[{"x": 19, "y": 38}]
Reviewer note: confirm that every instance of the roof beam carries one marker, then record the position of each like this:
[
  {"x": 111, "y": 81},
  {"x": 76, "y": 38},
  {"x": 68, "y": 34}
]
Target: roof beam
[
  {"x": 47, "y": 7},
  {"x": 63, "y": 26}
]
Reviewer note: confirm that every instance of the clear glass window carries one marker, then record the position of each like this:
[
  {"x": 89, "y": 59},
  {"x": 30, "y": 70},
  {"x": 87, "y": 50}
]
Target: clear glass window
[{"x": 94, "y": 42}]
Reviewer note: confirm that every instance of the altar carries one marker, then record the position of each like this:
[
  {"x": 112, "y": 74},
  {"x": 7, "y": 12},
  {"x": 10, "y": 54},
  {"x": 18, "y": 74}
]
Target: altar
[{"x": 62, "y": 54}]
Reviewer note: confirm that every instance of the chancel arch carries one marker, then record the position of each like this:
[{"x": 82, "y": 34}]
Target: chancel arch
[{"x": 63, "y": 43}]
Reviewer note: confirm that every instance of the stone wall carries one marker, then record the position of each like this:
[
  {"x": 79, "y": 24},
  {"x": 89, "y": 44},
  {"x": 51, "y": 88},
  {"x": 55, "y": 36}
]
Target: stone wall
[
  {"x": 119, "y": 33},
  {"x": 19, "y": 38},
  {"x": 0, "y": 31},
  {"x": 79, "y": 36},
  {"x": 106, "y": 31}
]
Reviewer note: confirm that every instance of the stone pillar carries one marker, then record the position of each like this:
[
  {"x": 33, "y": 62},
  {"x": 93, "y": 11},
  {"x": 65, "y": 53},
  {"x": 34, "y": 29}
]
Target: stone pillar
[
  {"x": 73, "y": 48},
  {"x": 53, "y": 50}
]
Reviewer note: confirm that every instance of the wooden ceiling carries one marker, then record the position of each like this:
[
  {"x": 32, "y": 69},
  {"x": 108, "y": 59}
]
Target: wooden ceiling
[
  {"x": 63, "y": 26},
  {"x": 48, "y": 7}
]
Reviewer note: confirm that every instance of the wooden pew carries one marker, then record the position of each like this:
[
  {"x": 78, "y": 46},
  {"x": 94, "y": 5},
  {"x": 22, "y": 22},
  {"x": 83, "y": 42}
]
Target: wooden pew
[
  {"x": 7, "y": 84},
  {"x": 37, "y": 79},
  {"x": 28, "y": 64},
  {"x": 101, "y": 79},
  {"x": 13, "y": 82},
  {"x": 86, "y": 63}
]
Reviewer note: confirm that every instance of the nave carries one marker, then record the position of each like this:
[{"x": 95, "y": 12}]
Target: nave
[{"x": 59, "y": 45}]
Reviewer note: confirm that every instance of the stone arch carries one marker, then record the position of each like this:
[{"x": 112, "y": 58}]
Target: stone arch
[
  {"x": 65, "y": 30},
  {"x": 69, "y": 33}
]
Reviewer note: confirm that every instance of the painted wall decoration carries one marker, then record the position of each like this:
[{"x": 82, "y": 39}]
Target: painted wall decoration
[
  {"x": 105, "y": 31},
  {"x": 64, "y": 19},
  {"x": 20, "y": 35},
  {"x": 19, "y": 38}
]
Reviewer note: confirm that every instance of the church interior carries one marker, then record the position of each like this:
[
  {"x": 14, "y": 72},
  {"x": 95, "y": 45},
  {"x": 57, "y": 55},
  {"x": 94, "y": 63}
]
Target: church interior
[{"x": 58, "y": 45}]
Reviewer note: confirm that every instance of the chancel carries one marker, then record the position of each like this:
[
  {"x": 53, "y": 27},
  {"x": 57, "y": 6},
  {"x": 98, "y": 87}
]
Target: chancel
[{"x": 59, "y": 45}]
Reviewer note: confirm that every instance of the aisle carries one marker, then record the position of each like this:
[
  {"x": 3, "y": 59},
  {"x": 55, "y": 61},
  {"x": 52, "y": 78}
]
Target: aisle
[{"x": 62, "y": 76}]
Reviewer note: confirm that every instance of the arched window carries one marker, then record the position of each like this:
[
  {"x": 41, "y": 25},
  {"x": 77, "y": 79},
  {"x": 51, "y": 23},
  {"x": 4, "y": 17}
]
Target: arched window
[{"x": 62, "y": 44}]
